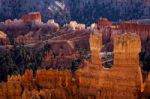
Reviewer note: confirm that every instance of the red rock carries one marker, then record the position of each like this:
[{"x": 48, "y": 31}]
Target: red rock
[
  {"x": 21, "y": 40},
  {"x": 33, "y": 17},
  {"x": 103, "y": 22}
]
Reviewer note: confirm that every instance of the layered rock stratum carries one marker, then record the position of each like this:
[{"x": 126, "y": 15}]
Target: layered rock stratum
[
  {"x": 91, "y": 81},
  {"x": 67, "y": 62}
]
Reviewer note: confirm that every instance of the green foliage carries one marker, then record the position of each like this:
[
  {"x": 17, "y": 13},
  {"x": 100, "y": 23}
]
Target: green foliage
[
  {"x": 84, "y": 11},
  {"x": 8, "y": 66},
  {"x": 20, "y": 58}
]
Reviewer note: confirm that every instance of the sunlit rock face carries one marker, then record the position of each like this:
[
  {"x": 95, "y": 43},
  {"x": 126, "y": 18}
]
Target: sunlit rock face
[
  {"x": 56, "y": 78},
  {"x": 2, "y": 35},
  {"x": 140, "y": 27},
  {"x": 95, "y": 46},
  {"x": 53, "y": 24},
  {"x": 32, "y": 17},
  {"x": 88, "y": 81},
  {"x": 127, "y": 48},
  {"x": 109, "y": 30},
  {"x": 115, "y": 83},
  {"x": 11, "y": 89},
  {"x": 46, "y": 84},
  {"x": 3, "y": 38},
  {"x": 126, "y": 71},
  {"x": 53, "y": 84},
  {"x": 75, "y": 26}
]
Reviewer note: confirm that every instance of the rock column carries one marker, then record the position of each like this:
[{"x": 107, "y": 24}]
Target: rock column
[{"x": 95, "y": 47}]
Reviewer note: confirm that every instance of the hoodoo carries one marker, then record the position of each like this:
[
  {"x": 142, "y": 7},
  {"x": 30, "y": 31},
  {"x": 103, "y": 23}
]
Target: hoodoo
[
  {"x": 95, "y": 46},
  {"x": 126, "y": 50}
]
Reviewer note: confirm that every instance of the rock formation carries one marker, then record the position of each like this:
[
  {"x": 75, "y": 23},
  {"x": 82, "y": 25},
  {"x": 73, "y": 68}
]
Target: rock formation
[
  {"x": 75, "y": 26},
  {"x": 11, "y": 89},
  {"x": 103, "y": 22},
  {"x": 127, "y": 47},
  {"x": 3, "y": 38},
  {"x": 89, "y": 81},
  {"x": 32, "y": 17},
  {"x": 95, "y": 47},
  {"x": 2, "y": 35},
  {"x": 53, "y": 24},
  {"x": 146, "y": 92},
  {"x": 126, "y": 60},
  {"x": 142, "y": 28}
]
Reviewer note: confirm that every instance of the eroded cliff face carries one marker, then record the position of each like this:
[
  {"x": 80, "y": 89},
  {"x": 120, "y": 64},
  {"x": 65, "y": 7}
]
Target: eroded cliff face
[
  {"x": 122, "y": 80},
  {"x": 95, "y": 47},
  {"x": 140, "y": 27},
  {"x": 109, "y": 30},
  {"x": 127, "y": 48},
  {"x": 53, "y": 84},
  {"x": 10, "y": 90},
  {"x": 47, "y": 84},
  {"x": 88, "y": 81},
  {"x": 116, "y": 81}
]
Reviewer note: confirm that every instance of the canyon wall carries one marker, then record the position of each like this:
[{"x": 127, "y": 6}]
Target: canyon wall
[
  {"x": 116, "y": 82},
  {"x": 122, "y": 80},
  {"x": 127, "y": 48},
  {"x": 52, "y": 84},
  {"x": 48, "y": 84},
  {"x": 141, "y": 27}
]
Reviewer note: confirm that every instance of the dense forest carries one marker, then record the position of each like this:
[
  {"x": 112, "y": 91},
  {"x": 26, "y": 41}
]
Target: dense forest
[
  {"x": 17, "y": 60},
  {"x": 84, "y": 11}
]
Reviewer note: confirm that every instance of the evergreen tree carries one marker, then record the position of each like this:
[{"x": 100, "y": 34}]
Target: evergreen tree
[{"x": 8, "y": 66}]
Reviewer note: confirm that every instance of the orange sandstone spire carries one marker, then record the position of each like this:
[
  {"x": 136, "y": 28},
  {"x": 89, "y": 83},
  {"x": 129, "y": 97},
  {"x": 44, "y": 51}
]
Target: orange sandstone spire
[{"x": 95, "y": 46}]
